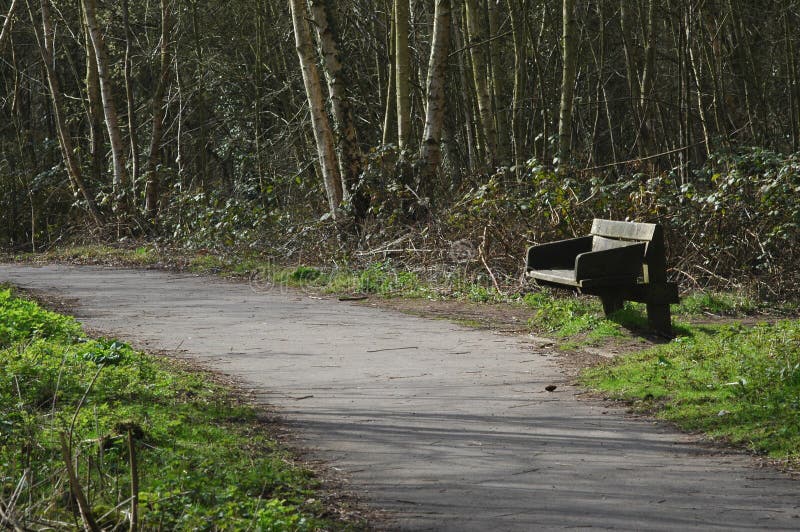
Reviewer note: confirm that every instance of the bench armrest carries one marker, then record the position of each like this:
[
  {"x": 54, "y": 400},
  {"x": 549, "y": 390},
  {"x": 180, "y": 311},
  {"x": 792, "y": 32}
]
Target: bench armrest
[
  {"x": 557, "y": 255},
  {"x": 615, "y": 262}
]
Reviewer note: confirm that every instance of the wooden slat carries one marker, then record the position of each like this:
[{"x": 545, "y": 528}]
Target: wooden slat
[
  {"x": 563, "y": 277},
  {"x": 641, "y": 232}
]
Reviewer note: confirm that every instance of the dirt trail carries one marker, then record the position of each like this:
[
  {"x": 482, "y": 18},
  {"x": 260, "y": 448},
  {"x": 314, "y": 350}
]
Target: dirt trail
[{"x": 444, "y": 427}]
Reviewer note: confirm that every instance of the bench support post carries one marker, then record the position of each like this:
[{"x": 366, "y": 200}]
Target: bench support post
[
  {"x": 611, "y": 303},
  {"x": 659, "y": 318}
]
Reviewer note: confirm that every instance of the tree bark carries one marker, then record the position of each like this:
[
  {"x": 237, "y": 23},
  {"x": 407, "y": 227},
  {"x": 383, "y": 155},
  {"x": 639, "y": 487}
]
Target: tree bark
[
  {"x": 477, "y": 42},
  {"x": 44, "y": 39},
  {"x": 515, "y": 14},
  {"x": 569, "y": 55},
  {"x": 402, "y": 73},
  {"x": 120, "y": 180},
  {"x": 431, "y": 150},
  {"x": 350, "y": 156},
  {"x": 152, "y": 181},
  {"x": 391, "y": 94},
  {"x": 94, "y": 108},
  {"x": 499, "y": 88},
  {"x": 130, "y": 98},
  {"x": 319, "y": 119}
]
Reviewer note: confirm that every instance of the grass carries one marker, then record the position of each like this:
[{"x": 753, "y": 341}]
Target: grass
[
  {"x": 735, "y": 383},
  {"x": 204, "y": 459}
]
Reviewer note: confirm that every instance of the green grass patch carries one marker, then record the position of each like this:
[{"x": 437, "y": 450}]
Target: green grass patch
[
  {"x": 735, "y": 383},
  {"x": 205, "y": 461}
]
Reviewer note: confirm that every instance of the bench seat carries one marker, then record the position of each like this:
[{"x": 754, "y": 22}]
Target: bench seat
[{"x": 618, "y": 261}]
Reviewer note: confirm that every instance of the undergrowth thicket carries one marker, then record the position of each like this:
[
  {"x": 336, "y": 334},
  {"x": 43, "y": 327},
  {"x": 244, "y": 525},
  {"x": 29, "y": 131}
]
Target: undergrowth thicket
[
  {"x": 732, "y": 225},
  {"x": 81, "y": 418}
]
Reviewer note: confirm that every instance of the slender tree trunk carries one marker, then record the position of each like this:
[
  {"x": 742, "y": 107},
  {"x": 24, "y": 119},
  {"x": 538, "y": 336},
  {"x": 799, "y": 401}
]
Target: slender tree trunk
[
  {"x": 794, "y": 89},
  {"x": 44, "y": 39},
  {"x": 431, "y": 150},
  {"x": 466, "y": 98},
  {"x": 94, "y": 107},
  {"x": 5, "y": 32},
  {"x": 152, "y": 181},
  {"x": 515, "y": 13},
  {"x": 130, "y": 97},
  {"x": 319, "y": 119},
  {"x": 120, "y": 181},
  {"x": 350, "y": 156},
  {"x": 391, "y": 96},
  {"x": 499, "y": 88},
  {"x": 402, "y": 73},
  {"x": 648, "y": 75},
  {"x": 569, "y": 55},
  {"x": 477, "y": 42}
]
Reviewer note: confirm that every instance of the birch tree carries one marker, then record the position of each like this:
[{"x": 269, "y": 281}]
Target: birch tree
[
  {"x": 120, "y": 180},
  {"x": 431, "y": 151},
  {"x": 402, "y": 73},
  {"x": 349, "y": 151},
  {"x": 323, "y": 135}
]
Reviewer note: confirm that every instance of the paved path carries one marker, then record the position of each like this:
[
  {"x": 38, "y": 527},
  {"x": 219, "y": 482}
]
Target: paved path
[{"x": 444, "y": 427}]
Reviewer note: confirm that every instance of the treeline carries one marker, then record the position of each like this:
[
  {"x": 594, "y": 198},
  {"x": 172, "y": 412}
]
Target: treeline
[{"x": 132, "y": 117}]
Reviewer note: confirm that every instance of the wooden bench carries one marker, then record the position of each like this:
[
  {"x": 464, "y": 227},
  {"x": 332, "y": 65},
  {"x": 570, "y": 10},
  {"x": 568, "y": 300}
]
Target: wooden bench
[{"x": 617, "y": 261}]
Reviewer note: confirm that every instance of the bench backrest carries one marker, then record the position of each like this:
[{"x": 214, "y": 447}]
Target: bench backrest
[{"x": 607, "y": 234}]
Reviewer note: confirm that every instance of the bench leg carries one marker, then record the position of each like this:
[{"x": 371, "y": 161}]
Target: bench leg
[
  {"x": 659, "y": 318},
  {"x": 611, "y": 303}
]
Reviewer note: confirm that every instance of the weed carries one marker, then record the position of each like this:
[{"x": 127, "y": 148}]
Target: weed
[{"x": 717, "y": 303}]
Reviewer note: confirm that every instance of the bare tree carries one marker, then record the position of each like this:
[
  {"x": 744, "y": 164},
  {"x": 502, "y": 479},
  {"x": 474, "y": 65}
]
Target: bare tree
[
  {"x": 402, "y": 72},
  {"x": 431, "y": 151},
  {"x": 44, "y": 39},
  {"x": 5, "y": 32},
  {"x": 349, "y": 151},
  {"x": 151, "y": 187},
  {"x": 569, "y": 55},
  {"x": 120, "y": 180},
  {"x": 319, "y": 119}
]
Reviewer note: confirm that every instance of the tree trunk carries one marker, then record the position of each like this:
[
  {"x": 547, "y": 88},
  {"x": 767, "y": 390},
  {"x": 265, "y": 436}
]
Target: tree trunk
[
  {"x": 402, "y": 73},
  {"x": 152, "y": 181},
  {"x": 431, "y": 150},
  {"x": 477, "y": 37},
  {"x": 350, "y": 156},
  {"x": 5, "y": 33},
  {"x": 515, "y": 13},
  {"x": 120, "y": 181},
  {"x": 129, "y": 96},
  {"x": 466, "y": 98},
  {"x": 391, "y": 97},
  {"x": 499, "y": 88},
  {"x": 44, "y": 39},
  {"x": 94, "y": 108},
  {"x": 569, "y": 55},
  {"x": 319, "y": 120}
]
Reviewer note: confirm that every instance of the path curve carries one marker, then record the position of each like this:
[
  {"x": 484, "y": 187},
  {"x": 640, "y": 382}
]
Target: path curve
[{"x": 444, "y": 427}]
